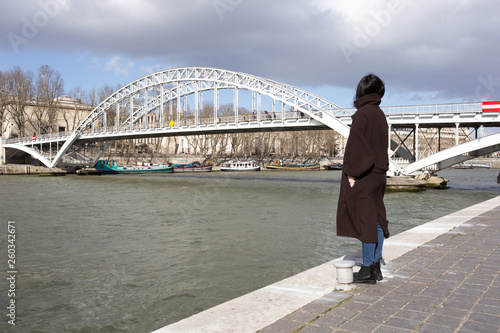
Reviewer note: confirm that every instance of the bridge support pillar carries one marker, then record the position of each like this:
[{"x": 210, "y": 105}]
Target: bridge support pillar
[
  {"x": 415, "y": 140},
  {"x": 389, "y": 135},
  {"x": 439, "y": 139}
]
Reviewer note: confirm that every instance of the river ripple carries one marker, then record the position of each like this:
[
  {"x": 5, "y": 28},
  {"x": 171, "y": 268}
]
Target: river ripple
[{"x": 135, "y": 253}]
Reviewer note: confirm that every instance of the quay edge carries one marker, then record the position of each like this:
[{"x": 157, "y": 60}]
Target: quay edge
[
  {"x": 256, "y": 310},
  {"x": 25, "y": 169}
]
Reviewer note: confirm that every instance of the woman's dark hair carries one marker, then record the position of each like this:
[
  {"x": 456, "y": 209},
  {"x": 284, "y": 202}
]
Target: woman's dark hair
[{"x": 370, "y": 84}]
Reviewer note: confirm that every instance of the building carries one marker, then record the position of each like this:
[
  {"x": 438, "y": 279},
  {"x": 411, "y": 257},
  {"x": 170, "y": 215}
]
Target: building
[{"x": 66, "y": 114}]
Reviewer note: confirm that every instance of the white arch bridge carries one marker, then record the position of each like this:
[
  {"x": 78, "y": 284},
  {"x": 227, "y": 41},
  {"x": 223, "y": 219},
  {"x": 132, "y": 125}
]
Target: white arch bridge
[{"x": 160, "y": 104}]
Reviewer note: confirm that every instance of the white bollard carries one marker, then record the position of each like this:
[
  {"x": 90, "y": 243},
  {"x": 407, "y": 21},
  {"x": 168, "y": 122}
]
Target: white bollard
[{"x": 344, "y": 275}]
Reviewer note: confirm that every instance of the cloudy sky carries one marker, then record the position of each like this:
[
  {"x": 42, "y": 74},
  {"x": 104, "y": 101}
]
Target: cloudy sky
[{"x": 426, "y": 51}]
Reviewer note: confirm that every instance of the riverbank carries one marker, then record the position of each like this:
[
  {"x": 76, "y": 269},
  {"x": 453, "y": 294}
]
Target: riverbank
[
  {"x": 28, "y": 169},
  {"x": 217, "y": 161},
  {"x": 447, "y": 284},
  {"x": 22, "y": 169}
]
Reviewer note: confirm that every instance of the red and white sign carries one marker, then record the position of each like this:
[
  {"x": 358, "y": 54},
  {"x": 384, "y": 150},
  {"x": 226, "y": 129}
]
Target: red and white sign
[{"x": 491, "y": 106}]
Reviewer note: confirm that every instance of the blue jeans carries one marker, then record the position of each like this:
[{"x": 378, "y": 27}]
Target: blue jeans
[{"x": 372, "y": 252}]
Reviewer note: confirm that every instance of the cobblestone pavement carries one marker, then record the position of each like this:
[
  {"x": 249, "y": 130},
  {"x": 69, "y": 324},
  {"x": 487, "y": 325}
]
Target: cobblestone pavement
[{"x": 449, "y": 284}]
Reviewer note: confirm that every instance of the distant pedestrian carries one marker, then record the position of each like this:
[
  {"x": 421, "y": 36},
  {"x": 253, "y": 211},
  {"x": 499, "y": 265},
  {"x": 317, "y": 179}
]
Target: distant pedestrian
[{"x": 361, "y": 211}]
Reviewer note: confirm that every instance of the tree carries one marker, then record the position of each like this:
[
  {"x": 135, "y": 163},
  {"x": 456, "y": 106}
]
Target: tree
[
  {"x": 204, "y": 144},
  {"x": 237, "y": 140},
  {"x": 226, "y": 112},
  {"x": 20, "y": 86},
  {"x": 110, "y": 117},
  {"x": 71, "y": 116},
  {"x": 207, "y": 113},
  {"x": 216, "y": 141},
  {"x": 49, "y": 86},
  {"x": 91, "y": 98},
  {"x": 328, "y": 143},
  {"x": 4, "y": 100}
]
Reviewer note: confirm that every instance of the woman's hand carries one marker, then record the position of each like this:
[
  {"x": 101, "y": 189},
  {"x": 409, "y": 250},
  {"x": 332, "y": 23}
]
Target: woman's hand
[{"x": 352, "y": 180}]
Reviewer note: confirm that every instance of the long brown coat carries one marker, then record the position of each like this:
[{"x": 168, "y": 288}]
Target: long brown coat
[{"x": 362, "y": 206}]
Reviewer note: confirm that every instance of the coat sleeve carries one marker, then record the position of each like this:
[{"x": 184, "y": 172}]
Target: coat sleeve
[{"x": 359, "y": 157}]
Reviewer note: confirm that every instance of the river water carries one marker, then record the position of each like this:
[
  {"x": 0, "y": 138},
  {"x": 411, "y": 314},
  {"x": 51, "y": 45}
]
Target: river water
[{"x": 133, "y": 253}]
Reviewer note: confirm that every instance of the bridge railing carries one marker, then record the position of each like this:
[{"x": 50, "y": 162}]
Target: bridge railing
[
  {"x": 434, "y": 108},
  {"x": 431, "y": 109},
  {"x": 40, "y": 138},
  {"x": 188, "y": 120}
]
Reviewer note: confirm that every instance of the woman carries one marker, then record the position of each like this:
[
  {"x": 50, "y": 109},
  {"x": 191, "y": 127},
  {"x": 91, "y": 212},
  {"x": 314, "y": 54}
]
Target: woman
[{"x": 361, "y": 211}]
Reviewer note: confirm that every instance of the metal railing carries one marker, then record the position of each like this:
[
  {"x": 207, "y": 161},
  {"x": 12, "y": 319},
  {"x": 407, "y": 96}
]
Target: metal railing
[
  {"x": 453, "y": 108},
  {"x": 434, "y": 108},
  {"x": 188, "y": 120},
  {"x": 40, "y": 138}
]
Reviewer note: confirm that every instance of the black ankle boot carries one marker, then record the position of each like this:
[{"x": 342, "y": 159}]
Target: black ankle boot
[
  {"x": 377, "y": 272},
  {"x": 365, "y": 275}
]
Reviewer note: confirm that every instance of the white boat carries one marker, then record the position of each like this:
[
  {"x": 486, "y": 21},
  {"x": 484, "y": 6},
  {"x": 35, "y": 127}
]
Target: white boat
[
  {"x": 471, "y": 165},
  {"x": 480, "y": 165},
  {"x": 240, "y": 166}
]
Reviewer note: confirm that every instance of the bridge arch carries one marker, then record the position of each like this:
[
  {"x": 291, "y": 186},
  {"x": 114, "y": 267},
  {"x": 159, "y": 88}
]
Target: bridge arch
[
  {"x": 35, "y": 154},
  {"x": 213, "y": 78},
  {"x": 457, "y": 154},
  {"x": 191, "y": 80}
]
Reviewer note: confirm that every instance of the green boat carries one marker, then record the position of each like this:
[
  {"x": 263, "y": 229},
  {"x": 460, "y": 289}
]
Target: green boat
[{"x": 112, "y": 167}]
